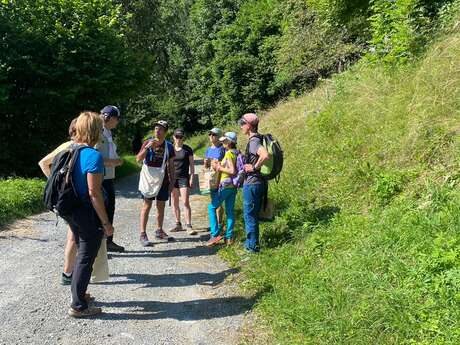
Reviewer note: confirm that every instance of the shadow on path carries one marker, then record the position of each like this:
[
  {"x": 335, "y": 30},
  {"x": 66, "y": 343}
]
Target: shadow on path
[
  {"x": 203, "y": 309},
  {"x": 188, "y": 252},
  {"x": 172, "y": 280}
]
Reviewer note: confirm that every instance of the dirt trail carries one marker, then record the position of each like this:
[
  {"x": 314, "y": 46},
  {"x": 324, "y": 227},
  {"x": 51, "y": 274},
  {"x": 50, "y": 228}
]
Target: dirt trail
[{"x": 171, "y": 293}]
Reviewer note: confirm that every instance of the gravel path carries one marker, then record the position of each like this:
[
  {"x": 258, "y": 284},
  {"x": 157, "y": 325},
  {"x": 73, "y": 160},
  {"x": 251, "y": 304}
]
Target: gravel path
[{"x": 171, "y": 293}]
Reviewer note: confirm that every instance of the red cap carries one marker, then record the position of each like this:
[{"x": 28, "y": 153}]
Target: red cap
[{"x": 250, "y": 118}]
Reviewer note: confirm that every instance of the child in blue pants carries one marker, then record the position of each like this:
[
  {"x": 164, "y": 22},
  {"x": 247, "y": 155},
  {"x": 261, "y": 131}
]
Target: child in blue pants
[{"x": 226, "y": 193}]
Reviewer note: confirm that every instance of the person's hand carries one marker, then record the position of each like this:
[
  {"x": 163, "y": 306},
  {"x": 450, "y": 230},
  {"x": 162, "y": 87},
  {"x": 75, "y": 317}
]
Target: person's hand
[
  {"x": 108, "y": 229},
  {"x": 215, "y": 165},
  {"x": 151, "y": 144},
  {"x": 248, "y": 168},
  {"x": 190, "y": 182},
  {"x": 119, "y": 162}
]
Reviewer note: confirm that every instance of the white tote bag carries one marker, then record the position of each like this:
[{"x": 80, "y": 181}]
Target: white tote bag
[
  {"x": 151, "y": 179},
  {"x": 101, "y": 264}
]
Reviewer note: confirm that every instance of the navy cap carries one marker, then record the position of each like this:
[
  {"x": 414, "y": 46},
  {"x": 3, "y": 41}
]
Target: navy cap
[
  {"x": 179, "y": 132},
  {"x": 110, "y": 111}
]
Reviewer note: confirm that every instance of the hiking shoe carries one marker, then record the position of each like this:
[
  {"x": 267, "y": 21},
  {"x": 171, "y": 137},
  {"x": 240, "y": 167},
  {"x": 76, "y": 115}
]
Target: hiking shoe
[
  {"x": 213, "y": 241},
  {"x": 90, "y": 311},
  {"x": 145, "y": 240},
  {"x": 190, "y": 230},
  {"x": 65, "y": 279},
  {"x": 161, "y": 235},
  {"x": 113, "y": 247},
  {"x": 89, "y": 298},
  {"x": 177, "y": 228}
]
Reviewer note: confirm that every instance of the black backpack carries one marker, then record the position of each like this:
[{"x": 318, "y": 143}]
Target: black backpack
[{"x": 60, "y": 196}]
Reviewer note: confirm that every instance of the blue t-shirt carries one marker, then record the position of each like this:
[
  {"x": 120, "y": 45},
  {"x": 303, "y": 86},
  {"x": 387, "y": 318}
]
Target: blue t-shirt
[
  {"x": 215, "y": 153},
  {"x": 89, "y": 161}
]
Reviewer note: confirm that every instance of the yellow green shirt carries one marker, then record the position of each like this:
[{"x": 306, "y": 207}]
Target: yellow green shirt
[{"x": 230, "y": 155}]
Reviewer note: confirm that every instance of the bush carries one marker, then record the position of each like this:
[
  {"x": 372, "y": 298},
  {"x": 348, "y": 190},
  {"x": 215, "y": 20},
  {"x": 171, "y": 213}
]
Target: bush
[{"x": 58, "y": 58}]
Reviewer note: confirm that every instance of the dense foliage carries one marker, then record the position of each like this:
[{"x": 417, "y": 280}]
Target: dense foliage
[
  {"x": 195, "y": 63},
  {"x": 365, "y": 246},
  {"x": 56, "y": 59}
]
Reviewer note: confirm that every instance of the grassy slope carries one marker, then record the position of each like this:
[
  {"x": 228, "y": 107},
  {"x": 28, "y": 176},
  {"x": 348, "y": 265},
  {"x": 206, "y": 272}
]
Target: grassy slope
[
  {"x": 22, "y": 197},
  {"x": 365, "y": 249}
]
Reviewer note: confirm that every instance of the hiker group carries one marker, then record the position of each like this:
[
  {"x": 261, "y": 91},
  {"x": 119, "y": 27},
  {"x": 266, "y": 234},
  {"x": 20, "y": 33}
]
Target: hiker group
[{"x": 80, "y": 189}]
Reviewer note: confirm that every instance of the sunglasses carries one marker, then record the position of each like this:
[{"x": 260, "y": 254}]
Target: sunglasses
[
  {"x": 178, "y": 137},
  {"x": 213, "y": 134}
]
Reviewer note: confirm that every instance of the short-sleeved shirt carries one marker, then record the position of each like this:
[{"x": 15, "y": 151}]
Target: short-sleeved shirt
[
  {"x": 216, "y": 152},
  {"x": 154, "y": 157},
  {"x": 59, "y": 149},
  {"x": 108, "y": 150},
  {"x": 182, "y": 162},
  {"x": 230, "y": 155},
  {"x": 254, "y": 144},
  {"x": 90, "y": 161}
]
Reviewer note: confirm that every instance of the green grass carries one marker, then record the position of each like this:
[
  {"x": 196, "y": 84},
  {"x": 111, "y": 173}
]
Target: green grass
[
  {"x": 20, "y": 198},
  {"x": 129, "y": 167},
  {"x": 199, "y": 143},
  {"x": 365, "y": 248}
]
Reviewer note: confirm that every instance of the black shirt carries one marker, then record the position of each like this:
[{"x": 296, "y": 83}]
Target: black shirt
[{"x": 182, "y": 162}]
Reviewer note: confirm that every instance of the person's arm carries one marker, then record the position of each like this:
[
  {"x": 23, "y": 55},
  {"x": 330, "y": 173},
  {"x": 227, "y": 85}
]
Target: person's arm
[
  {"x": 45, "y": 164},
  {"x": 171, "y": 172},
  {"x": 192, "y": 169},
  {"x": 263, "y": 156},
  {"x": 95, "y": 195},
  {"x": 143, "y": 152},
  {"x": 230, "y": 169},
  {"x": 112, "y": 162}
]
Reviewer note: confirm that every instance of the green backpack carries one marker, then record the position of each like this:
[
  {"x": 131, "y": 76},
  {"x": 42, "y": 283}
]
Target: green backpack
[{"x": 272, "y": 167}]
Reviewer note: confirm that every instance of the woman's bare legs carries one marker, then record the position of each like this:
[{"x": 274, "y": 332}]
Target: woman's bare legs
[{"x": 70, "y": 252}]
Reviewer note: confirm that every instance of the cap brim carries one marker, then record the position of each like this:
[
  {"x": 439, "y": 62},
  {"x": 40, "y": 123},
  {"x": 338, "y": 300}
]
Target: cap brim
[{"x": 159, "y": 124}]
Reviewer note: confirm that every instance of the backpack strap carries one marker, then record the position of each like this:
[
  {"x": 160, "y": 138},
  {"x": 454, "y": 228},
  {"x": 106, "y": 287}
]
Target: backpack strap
[
  {"x": 165, "y": 155},
  {"x": 247, "y": 155},
  {"x": 74, "y": 154}
]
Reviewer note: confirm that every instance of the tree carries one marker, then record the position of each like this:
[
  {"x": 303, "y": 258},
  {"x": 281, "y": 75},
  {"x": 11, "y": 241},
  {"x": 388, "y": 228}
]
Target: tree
[{"x": 57, "y": 58}]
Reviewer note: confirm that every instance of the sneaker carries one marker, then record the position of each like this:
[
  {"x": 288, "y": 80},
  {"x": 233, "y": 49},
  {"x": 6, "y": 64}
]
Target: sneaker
[
  {"x": 113, "y": 247},
  {"x": 65, "y": 279},
  {"x": 161, "y": 235},
  {"x": 145, "y": 240},
  {"x": 90, "y": 311},
  {"x": 177, "y": 228},
  {"x": 213, "y": 241},
  {"x": 190, "y": 230},
  {"x": 89, "y": 298}
]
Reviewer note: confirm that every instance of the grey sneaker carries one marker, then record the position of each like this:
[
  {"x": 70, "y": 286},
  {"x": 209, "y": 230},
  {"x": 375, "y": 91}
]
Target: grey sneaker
[
  {"x": 90, "y": 311},
  {"x": 177, "y": 228},
  {"x": 190, "y": 230},
  {"x": 161, "y": 235},
  {"x": 145, "y": 240}
]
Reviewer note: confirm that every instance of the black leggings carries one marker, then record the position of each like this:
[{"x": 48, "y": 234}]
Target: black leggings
[{"x": 86, "y": 228}]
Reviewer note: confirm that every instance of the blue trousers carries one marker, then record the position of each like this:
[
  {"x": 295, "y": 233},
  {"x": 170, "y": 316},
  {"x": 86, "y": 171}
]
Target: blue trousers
[
  {"x": 227, "y": 195},
  {"x": 252, "y": 200}
]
